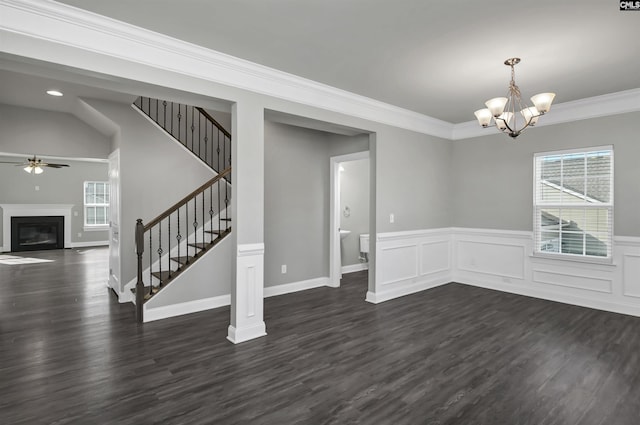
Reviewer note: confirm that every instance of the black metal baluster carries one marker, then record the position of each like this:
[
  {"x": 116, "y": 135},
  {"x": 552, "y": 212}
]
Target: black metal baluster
[
  {"x": 179, "y": 122},
  {"x": 211, "y": 211},
  {"x": 178, "y": 236},
  {"x": 164, "y": 120},
  {"x": 193, "y": 129},
  {"x": 171, "y": 132},
  {"x": 186, "y": 223},
  {"x": 206, "y": 141},
  {"x": 160, "y": 251},
  {"x": 199, "y": 135},
  {"x": 195, "y": 224},
  {"x": 150, "y": 259},
  {"x": 169, "y": 242},
  {"x": 203, "y": 222},
  {"x": 218, "y": 170}
]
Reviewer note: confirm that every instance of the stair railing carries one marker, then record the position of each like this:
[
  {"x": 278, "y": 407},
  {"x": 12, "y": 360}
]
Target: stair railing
[
  {"x": 180, "y": 235},
  {"x": 193, "y": 127}
]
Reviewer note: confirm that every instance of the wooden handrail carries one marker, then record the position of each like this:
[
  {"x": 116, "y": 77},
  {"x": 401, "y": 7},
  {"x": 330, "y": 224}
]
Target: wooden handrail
[
  {"x": 186, "y": 199},
  {"x": 216, "y": 123}
]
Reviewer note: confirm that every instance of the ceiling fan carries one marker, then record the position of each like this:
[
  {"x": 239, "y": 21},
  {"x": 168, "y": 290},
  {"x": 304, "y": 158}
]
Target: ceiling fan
[{"x": 34, "y": 165}]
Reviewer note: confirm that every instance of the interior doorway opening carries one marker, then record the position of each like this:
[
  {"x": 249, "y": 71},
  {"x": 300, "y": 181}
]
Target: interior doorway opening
[{"x": 349, "y": 215}]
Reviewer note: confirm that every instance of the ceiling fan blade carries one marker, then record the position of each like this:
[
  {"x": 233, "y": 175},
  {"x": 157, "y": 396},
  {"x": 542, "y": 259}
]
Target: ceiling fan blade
[{"x": 53, "y": 165}]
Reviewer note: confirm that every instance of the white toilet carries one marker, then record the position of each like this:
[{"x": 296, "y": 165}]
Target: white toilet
[{"x": 364, "y": 247}]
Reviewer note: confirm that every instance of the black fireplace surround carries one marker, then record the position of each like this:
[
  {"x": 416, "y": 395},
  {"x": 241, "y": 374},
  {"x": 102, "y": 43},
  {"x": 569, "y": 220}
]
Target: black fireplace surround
[{"x": 37, "y": 233}]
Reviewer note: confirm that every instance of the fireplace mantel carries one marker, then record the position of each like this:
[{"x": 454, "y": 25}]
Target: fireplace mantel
[{"x": 30, "y": 210}]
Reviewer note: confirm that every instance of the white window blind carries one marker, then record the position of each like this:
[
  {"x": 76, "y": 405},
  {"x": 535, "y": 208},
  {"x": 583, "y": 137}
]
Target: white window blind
[
  {"x": 573, "y": 203},
  {"x": 96, "y": 204}
]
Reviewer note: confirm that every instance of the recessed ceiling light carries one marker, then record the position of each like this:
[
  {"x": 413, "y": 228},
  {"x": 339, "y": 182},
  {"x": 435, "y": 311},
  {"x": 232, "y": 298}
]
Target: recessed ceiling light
[{"x": 54, "y": 93}]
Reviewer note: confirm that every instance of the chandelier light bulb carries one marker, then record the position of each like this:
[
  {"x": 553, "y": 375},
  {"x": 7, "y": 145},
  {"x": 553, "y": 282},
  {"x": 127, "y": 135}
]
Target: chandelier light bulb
[
  {"x": 28, "y": 169},
  {"x": 484, "y": 117},
  {"x": 530, "y": 115},
  {"x": 542, "y": 102},
  {"x": 38, "y": 170},
  {"x": 496, "y": 105}
]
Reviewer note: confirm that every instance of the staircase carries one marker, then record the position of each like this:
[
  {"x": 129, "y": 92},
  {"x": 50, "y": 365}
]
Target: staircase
[{"x": 170, "y": 243}]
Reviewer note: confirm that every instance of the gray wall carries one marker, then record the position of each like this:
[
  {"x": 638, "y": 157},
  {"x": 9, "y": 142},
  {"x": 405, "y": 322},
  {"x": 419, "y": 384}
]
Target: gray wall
[
  {"x": 206, "y": 278},
  {"x": 223, "y": 118},
  {"x": 55, "y": 186},
  {"x": 35, "y": 131},
  {"x": 413, "y": 181},
  {"x": 354, "y": 193},
  {"x": 492, "y": 176},
  {"x": 297, "y": 200}
]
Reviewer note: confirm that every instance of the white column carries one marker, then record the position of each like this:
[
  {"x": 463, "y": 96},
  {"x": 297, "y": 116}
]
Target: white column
[{"x": 247, "y": 206}]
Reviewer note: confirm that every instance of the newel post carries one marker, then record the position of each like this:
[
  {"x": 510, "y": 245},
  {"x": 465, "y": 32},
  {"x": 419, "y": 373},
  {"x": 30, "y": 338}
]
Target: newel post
[{"x": 139, "y": 283}]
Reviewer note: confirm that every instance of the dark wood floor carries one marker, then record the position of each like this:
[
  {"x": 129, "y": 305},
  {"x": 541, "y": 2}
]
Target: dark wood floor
[{"x": 70, "y": 354}]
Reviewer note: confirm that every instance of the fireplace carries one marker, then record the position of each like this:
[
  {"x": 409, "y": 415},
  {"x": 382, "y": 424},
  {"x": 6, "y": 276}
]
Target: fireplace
[{"x": 34, "y": 233}]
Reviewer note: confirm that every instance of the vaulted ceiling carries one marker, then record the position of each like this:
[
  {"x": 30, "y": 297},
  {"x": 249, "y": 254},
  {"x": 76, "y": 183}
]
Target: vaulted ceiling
[{"x": 442, "y": 59}]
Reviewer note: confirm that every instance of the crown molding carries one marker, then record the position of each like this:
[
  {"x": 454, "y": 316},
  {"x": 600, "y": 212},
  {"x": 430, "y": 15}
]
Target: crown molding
[
  {"x": 45, "y": 21},
  {"x": 30, "y": 28},
  {"x": 582, "y": 109}
]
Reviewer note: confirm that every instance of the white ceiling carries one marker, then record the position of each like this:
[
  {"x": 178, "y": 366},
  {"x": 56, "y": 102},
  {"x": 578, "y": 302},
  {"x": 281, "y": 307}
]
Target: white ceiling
[{"x": 442, "y": 59}]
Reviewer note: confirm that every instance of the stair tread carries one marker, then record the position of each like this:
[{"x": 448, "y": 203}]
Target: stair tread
[
  {"x": 218, "y": 232},
  {"x": 225, "y": 219},
  {"x": 183, "y": 259},
  {"x": 200, "y": 245},
  {"x": 163, "y": 275}
]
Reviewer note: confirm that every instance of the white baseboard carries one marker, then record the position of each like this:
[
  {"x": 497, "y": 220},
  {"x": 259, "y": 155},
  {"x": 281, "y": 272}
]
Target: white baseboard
[
  {"x": 405, "y": 289},
  {"x": 606, "y": 305},
  {"x": 72, "y": 245},
  {"x": 238, "y": 335},
  {"x": 355, "y": 268},
  {"x": 287, "y": 288},
  {"x": 151, "y": 314},
  {"x": 88, "y": 244}
]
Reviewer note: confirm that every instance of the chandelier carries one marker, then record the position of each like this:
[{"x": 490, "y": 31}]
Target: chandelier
[{"x": 505, "y": 111}]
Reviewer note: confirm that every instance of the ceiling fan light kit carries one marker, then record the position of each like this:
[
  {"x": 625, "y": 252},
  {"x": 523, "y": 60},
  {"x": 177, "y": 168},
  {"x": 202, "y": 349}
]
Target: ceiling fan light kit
[
  {"x": 31, "y": 169},
  {"x": 502, "y": 110},
  {"x": 34, "y": 165}
]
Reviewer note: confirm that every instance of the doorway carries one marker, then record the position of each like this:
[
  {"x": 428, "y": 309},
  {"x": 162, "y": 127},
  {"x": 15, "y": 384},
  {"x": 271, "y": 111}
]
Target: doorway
[{"x": 349, "y": 214}]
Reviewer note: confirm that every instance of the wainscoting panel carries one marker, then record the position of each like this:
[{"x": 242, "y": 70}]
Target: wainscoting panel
[
  {"x": 578, "y": 281},
  {"x": 408, "y": 262},
  {"x": 398, "y": 263},
  {"x": 435, "y": 257},
  {"x": 631, "y": 275},
  {"x": 503, "y": 260},
  {"x": 493, "y": 258}
]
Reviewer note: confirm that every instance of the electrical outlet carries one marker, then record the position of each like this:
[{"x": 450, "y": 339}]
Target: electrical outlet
[
  {"x": 79, "y": 234},
  {"x": 392, "y": 218},
  {"x": 284, "y": 268},
  {"x": 37, "y": 188}
]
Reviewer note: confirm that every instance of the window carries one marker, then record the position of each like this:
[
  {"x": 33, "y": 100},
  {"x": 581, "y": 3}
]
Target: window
[
  {"x": 573, "y": 203},
  {"x": 96, "y": 204}
]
